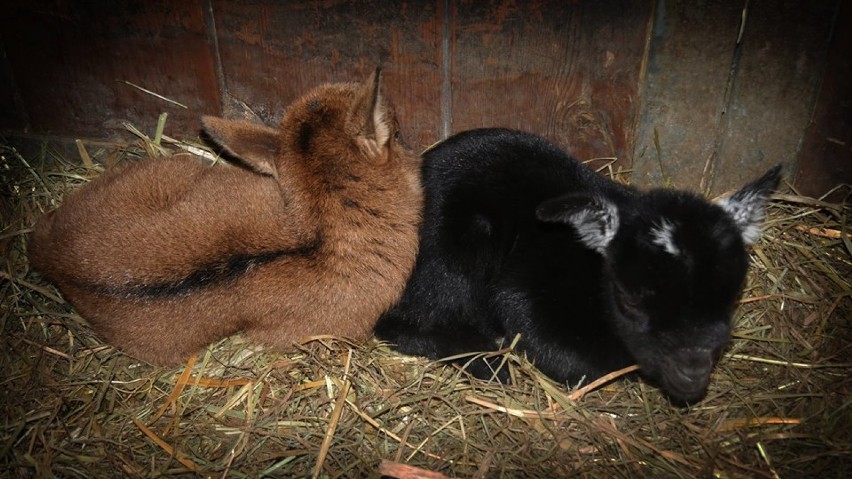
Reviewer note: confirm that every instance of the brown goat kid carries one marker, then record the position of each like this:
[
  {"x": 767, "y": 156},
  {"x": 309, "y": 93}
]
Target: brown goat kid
[{"x": 314, "y": 231}]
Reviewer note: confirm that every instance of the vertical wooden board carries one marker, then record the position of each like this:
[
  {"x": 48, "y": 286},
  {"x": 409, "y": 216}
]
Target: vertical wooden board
[
  {"x": 825, "y": 159},
  {"x": 274, "y": 52},
  {"x": 71, "y": 59},
  {"x": 12, "y": 114},
  {"x": 566, "y": 70},
  {"x": 689, "y": 64},
  {"x": 784, "y": 51}
]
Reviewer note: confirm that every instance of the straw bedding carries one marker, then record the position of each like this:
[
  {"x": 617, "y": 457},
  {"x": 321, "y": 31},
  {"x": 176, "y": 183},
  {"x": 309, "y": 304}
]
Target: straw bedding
[{"x": 779, "y": 405}]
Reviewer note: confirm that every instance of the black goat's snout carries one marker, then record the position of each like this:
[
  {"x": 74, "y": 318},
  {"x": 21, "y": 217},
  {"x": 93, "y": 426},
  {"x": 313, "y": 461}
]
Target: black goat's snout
[
  {"x": 693, "y": 365},
  {"x": 688, "y": 374}
]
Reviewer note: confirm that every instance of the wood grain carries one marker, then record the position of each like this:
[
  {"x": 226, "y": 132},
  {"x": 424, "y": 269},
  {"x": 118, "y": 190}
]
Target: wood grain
[
  {"x": 825, "y": 159},
  {"x": 70, "y": 60},
  {"x": 566, "y": 70},
  {"x": 784, "y": 53},
  {"x": 689, "y": 67}
]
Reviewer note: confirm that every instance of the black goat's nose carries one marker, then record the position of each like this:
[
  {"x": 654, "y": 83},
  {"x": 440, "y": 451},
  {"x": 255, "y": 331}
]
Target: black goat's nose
[{"x": 695, "y": 364}]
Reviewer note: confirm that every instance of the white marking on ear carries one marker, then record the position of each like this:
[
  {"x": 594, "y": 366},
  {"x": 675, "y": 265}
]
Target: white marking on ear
[
  {"x": 596, "y": 226},
  {"x": 747, "y": 212},
  {"x": 595, "y": 219},
  {"x": 663, "y": 236},
  {"x": 746, "y": 206}
]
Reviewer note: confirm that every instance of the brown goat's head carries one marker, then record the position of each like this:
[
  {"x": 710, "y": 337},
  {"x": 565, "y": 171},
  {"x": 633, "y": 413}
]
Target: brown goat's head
[{"x": 335, "y": 129}]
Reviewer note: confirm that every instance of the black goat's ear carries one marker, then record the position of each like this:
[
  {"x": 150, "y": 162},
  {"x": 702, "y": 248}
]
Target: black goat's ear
[
  {"x": 255, "y": 146},
  {"x": 747, "y": 206},
  {"x": 595, "y": 219}
]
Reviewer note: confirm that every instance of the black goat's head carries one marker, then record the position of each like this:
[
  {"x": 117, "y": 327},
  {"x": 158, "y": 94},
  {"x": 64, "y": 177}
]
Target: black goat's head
[{"x": 675, "y": 265}]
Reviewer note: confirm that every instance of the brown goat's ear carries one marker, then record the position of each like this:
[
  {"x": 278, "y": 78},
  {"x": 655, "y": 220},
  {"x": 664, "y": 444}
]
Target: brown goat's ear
[
  {"x": 369, "y": 119},
  {"x": 255, "y": 146}
]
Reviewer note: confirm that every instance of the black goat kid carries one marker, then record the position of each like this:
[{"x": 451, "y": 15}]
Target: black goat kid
[{"x": 520, "y": 238}]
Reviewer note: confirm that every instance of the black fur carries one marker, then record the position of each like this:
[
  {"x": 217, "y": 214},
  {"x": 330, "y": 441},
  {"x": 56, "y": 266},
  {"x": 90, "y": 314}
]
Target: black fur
[{"x": 518, "y": 237}]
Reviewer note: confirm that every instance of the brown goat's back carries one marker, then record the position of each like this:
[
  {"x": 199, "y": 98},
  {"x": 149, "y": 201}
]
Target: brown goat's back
[
  {"x": 160, "y": 219},
  {"x": 313, "y": 230}
]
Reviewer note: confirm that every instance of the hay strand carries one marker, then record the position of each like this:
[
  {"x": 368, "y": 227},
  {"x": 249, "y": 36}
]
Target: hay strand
[
  {"x": 166, "y": 447},
  {"x": 156, "y": 95},
  {"x": 578, "y": 394},
  {"x": 84, "y": 155},
  {"x": 180, "y": 384},
  {"x": 335, "y": 418},
  {"x": 404, "y": 471}
]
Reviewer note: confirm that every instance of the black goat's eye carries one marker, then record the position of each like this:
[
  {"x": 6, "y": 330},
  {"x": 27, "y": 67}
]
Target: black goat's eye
[
  {"x": 631, "y": 304},
  {"x": 627, "y": 299}
]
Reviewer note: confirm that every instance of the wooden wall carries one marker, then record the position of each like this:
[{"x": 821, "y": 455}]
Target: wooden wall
[{"x": 685, "y": 93}]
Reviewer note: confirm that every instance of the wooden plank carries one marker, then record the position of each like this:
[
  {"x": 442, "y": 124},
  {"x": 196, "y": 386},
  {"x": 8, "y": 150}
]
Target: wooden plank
[
  {"x": 566, "y": 70},
  {"x": 71, "y": 59},
  {"x": 784, "y": 52},
  {"x": 825, "y": 159},
  {"x": 273, "y": 52},
  {"x": 689, "y": 65}
]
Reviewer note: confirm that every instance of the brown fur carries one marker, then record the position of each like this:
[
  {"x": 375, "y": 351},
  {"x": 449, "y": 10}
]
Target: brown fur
[{"x": 315, "y": 233}]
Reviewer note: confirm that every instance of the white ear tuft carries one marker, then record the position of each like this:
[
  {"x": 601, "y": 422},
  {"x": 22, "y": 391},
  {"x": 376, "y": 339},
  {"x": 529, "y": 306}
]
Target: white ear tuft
[
  {"x": 747, "y": 206},
  {"x": 595, "y": 219},
  {"x": 663, "y": 236},
  {"x": 747, "y": 213}
]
